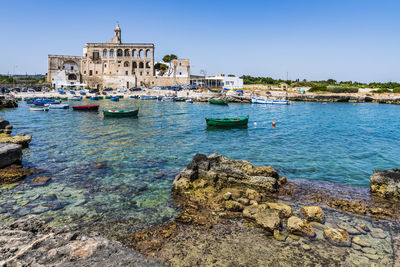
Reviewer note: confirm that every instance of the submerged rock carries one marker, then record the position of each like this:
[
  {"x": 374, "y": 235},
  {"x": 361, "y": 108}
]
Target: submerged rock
[
  {"x": 36, "y": 244},
  {"x": 386, "y": 183},
  {"x": 10, "y": 154},
  {"x": 338, "y": 237},
  {"x": 14, "y": 173},
  {"x": 313, "y": 214},
  {"x": 300, "y": 227},
  {"x": 40, "y": 180}
]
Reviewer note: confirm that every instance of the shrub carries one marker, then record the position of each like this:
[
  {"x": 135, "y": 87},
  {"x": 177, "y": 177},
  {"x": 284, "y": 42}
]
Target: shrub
[
  {"x": 396, "y": 90},
  {"x": 382, "y": 90},
  {"x": 318, "y": 88},
  {"x": 342, "y": 89}
]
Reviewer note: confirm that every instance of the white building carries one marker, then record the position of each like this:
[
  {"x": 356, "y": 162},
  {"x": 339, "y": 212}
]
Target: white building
[{"x": 217, "y": 81}]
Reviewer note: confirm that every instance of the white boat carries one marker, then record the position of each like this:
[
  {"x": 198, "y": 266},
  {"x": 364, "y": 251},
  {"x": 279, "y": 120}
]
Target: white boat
[
  {"x": 39, "y": 108},
  {"x": 260, "y": 100},
  {"x": 168, "y": 99},
  {"x": 147, "y": 97},
  {"x": 189, "y": 100},
  {"x": 59, "y": 106},
  {"x": 77, "y": 98}
]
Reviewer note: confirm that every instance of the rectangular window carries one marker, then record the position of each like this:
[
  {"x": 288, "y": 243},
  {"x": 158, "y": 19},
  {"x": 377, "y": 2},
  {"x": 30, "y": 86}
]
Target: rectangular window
[
  {"x": 84, "y": 72},
  {"x": 141, "y": 73},
  {"x": 96, "y": 71},
  {"x": 90, "y": 72},
  {"x": 126, "y": 72},
  {"x": 180, "y": 73},
  {"x": 96, "y": 54}
]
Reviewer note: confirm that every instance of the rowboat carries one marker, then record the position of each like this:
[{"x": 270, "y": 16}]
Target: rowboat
[
  {"x": 133, "y": 96},
  {"x": 108, "y": 97},
  {"x": 189, "y": 100},
  {"x": 77, "y": 98},
  {"x": 147, "y": 97},
  {"x": 116, "y": 99},
  {"x": 82, "y": 93},
  {"x": 120, "y": 113},
  {"x": 86, "y": 108},
  {"x": 218, "y": 101},
  {"x": 94, "y": 98},
  {"x": 228, "y": 122},
  {"x": 120, "y": 96},
  {"x": 214, "y": 90},
  {"x": 64, "y": 98},
  {"x": 39, "y": 108},
  {"x": 179, "y": 99},
  {"x": 255, "y": 100},
  {"x": 58, "y": 106},
  {"x": 72, "y": 92},
  {"x": 168, "y": 99}
]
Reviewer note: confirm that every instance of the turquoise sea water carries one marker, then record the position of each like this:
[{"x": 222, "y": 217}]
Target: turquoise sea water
[{"x": 123, "y": 168}]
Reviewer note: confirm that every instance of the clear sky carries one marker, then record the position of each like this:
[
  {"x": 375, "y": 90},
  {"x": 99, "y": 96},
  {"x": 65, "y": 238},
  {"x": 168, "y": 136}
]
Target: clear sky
[{"x": 311, "y": 39}]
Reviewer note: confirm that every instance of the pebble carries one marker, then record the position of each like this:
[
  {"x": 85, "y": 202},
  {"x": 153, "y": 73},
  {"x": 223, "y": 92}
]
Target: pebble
[
  {"x": 39, "y": 209},
  {"x": 50, "y": 197},
  {"x": 356, "y": 247},
  {"x": 360, "y": 242},
  {"x": 369, "y": 250},
  {"x": 227, "y": 195},
  {"x": 306, "y": 247},
  {"x": 372, "y": 256}
]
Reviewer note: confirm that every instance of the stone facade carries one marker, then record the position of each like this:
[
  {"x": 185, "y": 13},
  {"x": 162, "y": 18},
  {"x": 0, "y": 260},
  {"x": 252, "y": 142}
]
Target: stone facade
[{"x": 115, "y": 64}]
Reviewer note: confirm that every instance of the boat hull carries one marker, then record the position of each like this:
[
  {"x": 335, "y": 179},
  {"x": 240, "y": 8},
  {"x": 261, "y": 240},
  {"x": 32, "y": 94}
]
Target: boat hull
[
  {"x": 269, "y": 101},
  {"x": 227, "y": 122},
  {"x": 58, "y": 106},
  {"x": 218, "y": 102},
  {"x": 121, "y": 113},
  {"x": 86, "y": 108}
]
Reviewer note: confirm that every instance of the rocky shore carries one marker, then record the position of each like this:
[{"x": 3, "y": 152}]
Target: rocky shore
[
  {"x": 344, "y": 98},
  {"x": 234, "y": 213},
  {"x": 8, "y": 101},
  {"x": 32, "y": 242}
]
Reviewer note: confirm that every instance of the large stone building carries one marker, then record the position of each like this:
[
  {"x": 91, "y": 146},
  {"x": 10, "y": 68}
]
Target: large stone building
[{"x": 114, "y": 64}]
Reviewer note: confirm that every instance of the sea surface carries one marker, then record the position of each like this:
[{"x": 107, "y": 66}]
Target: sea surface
[{"x": 122, "y": 169}]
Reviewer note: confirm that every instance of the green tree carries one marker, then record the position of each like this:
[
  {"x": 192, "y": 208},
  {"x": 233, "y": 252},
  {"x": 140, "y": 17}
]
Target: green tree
[{"x": 169, "y": 58}]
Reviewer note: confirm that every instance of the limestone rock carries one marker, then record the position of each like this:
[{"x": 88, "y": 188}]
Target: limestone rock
[
  {"x": 338, "y": 237},
  {"x": 282, "y": 180},
  {"x": 285, "y": 211},
  {"x": 41, "y": 180},
  {"x": 357, "y": 240},
  {"x": 252, "y": 195},
  {"x": 37, "y": 244},
  {"x": 227, "y": 195},
  {"x": 300, "y": 227},
  {"x": 386, "y": 183},
  {"x": 269, "y": 220},
  {"x": 233, "y": 205},
  {"x": 244, "y": 201},
  {"x": 20, "y": 139},
  {"x": 251, "y": 211},
  {"x": 10, "y": 154},
  {"x": 313, "y": 214}
]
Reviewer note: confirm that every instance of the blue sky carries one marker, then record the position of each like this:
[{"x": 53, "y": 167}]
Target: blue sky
[{"x": 344, "y": 40}]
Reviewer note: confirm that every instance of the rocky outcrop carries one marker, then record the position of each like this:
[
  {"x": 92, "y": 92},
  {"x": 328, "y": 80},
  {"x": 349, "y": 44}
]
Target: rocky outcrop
[
  {"x": 31, "y": 242},
  {"x": 267, "y": 219},
  {"x": 337, "y": 237},
  {"x": 313, "y": 214},
  {"x": 5, "y": 135},
  {"x": 386, "y": 183},
  {"x": 8, "y": 102},
  {"x": 10, "y": 154},
  {"x": 219, "y": 172},
  {"x": 15, "y": 173}
]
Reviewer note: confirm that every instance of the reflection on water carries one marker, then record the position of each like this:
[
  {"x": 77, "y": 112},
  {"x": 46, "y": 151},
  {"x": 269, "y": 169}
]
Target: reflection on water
[{"x": 123, "y": 168}]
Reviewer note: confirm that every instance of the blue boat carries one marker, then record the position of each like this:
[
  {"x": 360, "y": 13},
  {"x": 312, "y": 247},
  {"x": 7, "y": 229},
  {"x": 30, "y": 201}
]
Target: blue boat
[
  {"x": 72, "y": 92},
  {"x": 77, "y": 98},
  {"x": 147, "y": 97},
  {"x": 82, "y": 93},
  {"x": 62, "y": 92},
  {"x": 116, "y": 99},
  {"x": 94, "y": 98},
  {"x": 134, "y": 96}
]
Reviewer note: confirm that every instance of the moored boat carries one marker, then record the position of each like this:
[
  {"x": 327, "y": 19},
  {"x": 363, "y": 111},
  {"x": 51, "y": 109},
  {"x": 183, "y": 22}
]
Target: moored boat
[
  {"x": 94, "y": 98},
  {"x": 39, "y": 108},
  {"x": 64, "y": 98},
  {"x": 86, "y": 108},
  {"x": 190, "y": 100},
  {"x": 261, "y": 100},
  {"x": 72, "y": 92},
  {"x": 218, "y": 101},
  {"x": 228, "y": 122},
  {"x": 147, "y": 97},
  {"x": 108, "y": 97},
  {"x": 116, "y": 99},
  {"x": 59, "y": 106},
  {"x": 120, "y": 113},
  {"x": 82, "y": 93},
  {"x": 77, "y": 98}
]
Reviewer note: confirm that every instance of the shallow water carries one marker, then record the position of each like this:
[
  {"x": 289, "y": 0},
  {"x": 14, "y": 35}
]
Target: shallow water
[{"x": 123, "y": 168}]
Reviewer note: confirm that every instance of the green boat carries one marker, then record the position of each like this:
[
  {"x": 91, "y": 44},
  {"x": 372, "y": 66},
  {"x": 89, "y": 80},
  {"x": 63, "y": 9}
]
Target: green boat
[
  {"x": 63, "y": 98},
  {"x": 19, "y": 98},
  {"x": 108, "y": 97},
  {"x": 218, "y": 101},
  {"x": 57, "y": 98},
  {"x": 87, "y": 97},
  {"x": 214, "y": 90},
  {"x": 120, "y": 96},
  {"x": 100, "y": 97},
  {"x": 228, "y": 122},
  {"x": 120, "y": 113}
]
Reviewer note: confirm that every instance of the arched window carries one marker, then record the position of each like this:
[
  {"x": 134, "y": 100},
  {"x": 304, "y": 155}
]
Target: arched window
[
  {"x": 134, "y": 65},
  {"x": 140, "y": 53},
  {"x": 148, "y": 54},
  {"x": 112, "y": 53},
  {"x": 72, "y": 77},
  {"x": 105, "y": 53},
  {"x": 141, "y": 65},
  {"x": 126, "y": 64},
  {"x": 119, "y": 53},
  {"x": 126, "y": 52},
  {"x": 148, "y": 65},
  {"x": 134, "y": 53}
]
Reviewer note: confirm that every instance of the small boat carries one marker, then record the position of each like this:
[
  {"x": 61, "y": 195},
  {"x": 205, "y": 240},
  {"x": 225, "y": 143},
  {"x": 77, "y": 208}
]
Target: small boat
[
  {"x": 214, "y": 90},
  {"x": 108, "y": 97},
  {"x": 58, "y": 106},
  {"x": 134, "y": 96},
  {"x": 19, "y": 98},
  {"x": 100, "y": 97},
  {"x": 147, "y": 97},
  {"x": 168, "y": 99},
  {"x": 116, "y": 99},
  {"x": 179, "y": 99},
  {"x": 228, "y": 122},
  {"x": 120, "y": 113},
  {"x": 255, "y": 100},
  {"x": 62, "y": 92},
  {"x": 82, "y": 93},
  {"x": 72, "y": 92},
  {"x": 77, "y": 98},
  {"x": 120, "y": 96},
  {"x": 189, "y": 100},
  {"x": 218, "y": 101},
  {"x": 94, "y": 98},
  {"x": 64, "y": 98},
  {"x": 39, "y": 108},
  {"x": 86, "y": 108}
]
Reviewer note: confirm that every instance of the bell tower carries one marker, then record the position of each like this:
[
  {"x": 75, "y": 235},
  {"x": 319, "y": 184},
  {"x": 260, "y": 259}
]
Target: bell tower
[{"x": 117, "y": 31}]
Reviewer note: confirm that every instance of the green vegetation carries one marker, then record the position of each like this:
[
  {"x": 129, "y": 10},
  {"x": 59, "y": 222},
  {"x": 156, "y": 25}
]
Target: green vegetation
[
  {"x": 161, "y": 67},
  {"x": 247, "y": 79},
  {"x": 318, "y": 88},
  {"x": 22, "y": 79},
  {"x": 342, "y": 89},
  {"x": 169, "y": 58},
  {"x": 382, "y": 91},
  {"x": 6, "y": 79}
]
